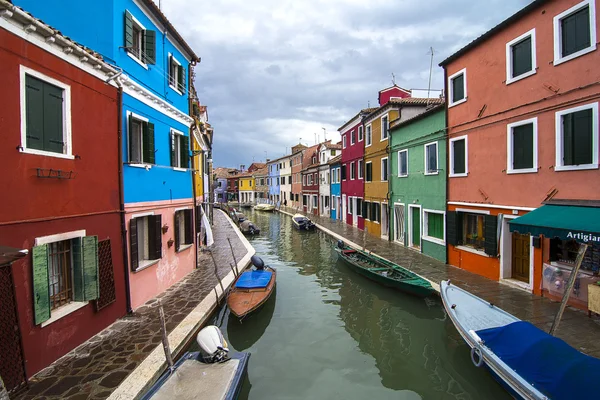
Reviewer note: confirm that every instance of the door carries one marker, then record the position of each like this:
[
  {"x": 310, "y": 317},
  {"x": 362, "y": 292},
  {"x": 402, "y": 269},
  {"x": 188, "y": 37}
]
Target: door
[
  {"x": 416, "y": 227},
  {"x": 354, "y": 211},
  {"x": 343, "y": 216},
  {"x": 339, "y": 208},
  {"x": 520, "y": 256},
  {"x": 399, "y": 223},
  {"x": 385, "y": 221}
]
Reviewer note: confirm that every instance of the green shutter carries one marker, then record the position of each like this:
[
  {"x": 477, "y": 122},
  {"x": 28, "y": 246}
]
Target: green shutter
[
  {"x": 458, "y": 88},
  {"x": 583, "y": 147},
  {"x": 77, "y": 267},
  {"x": 185, "y": 151},
  {"x": 173, "y": 137},
  {"x": 575, "y": 32},
  {"x": 523, "y": 146},
  {"x": 53, "y": 119},
  {"x": 91, "y": 288},
  {"x": 435, "y": 225},
  {"x": 148, "y": 144},
  {"x": 189, "y": 226},
  {"x": 458, "y": 147},
  {"x": 521, "y": 57},
  {"x": 453, "y": 228},
  {"x": 34, "y": 102},
  {"x": 133, "y": 244},
  {"x": 181, "y": 78},
  {"x": 490, "y": 233},
  {"x": 128, "y": 30},
  {"x": 41, "y": 292},
  {"x": 155, "y": 236},
  {"x": 176, "y": 230},
  {"x": 150, "y": 47},
  {"x": 416, "y": 226}
]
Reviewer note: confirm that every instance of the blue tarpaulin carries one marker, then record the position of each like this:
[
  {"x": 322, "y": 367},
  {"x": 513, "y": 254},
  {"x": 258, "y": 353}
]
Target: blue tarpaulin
[
  {"x": 254, "y": 279},
  {"x": 548, "y": 363}
]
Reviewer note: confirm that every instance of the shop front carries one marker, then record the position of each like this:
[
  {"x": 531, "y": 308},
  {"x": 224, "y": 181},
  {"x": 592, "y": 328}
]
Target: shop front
[{"x": 559, "y": 229}]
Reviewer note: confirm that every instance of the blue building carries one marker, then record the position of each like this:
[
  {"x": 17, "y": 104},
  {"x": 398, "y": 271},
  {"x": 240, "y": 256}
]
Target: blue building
[
  {"x": 220, "y": 190},
  {"x": 335, "y": 188},
  {"x": 273, "y": 167},
  {"x": 157, "y": 179}
]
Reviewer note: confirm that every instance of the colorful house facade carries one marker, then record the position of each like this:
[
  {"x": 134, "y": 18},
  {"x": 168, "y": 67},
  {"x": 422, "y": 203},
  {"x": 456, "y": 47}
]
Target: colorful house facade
[
  {"x": 285, "y": 181},
  {"x": 310, "y": 180},
  {"x": 326, "y": 151},
  {"x": 335, "y": 189},
  {"x": 418, "y": 182},
  {"x": 261, "y": 188},
  {"x": 296, "y": 171},
  {"x": 273, "y": 167},
  {"x": 522, "y": 134},
  {"x": 246, "y": 187}
]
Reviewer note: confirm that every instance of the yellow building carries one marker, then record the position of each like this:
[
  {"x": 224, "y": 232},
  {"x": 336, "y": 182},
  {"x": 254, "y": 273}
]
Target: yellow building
[{"x": 246, "y": 187}]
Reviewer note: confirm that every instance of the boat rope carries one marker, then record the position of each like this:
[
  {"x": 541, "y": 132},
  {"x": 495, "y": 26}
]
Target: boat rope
[{"x": 476, "y": 350}]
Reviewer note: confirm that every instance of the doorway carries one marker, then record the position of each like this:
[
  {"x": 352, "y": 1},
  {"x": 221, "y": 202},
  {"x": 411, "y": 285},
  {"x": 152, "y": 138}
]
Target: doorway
[
  {"x": 415, "y": 227},
  {"x": 354, "y": 211},
  {"x": 399, "y": 223},
  {"x": 520, "y": 259},
  {"x": 385, "y": 221}
]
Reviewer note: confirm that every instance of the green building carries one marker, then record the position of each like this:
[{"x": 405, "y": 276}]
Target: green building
[{"x": 418, "y": 182}]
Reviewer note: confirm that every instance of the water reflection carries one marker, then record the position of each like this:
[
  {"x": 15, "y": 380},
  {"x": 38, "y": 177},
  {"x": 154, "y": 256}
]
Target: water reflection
[{"x": 242, "y": 335}]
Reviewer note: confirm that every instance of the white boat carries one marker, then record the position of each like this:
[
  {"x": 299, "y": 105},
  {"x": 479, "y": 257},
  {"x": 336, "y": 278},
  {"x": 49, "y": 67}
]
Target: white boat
[
  {"x": 264, "y": 207},
  {"x": 528, "y": 362}
]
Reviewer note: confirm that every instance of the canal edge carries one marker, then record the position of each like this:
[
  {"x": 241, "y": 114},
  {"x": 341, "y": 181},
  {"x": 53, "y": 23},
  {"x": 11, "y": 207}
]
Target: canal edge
[
  {"x": 435, "y": 285},
  {"x": 153, "y": 366}
]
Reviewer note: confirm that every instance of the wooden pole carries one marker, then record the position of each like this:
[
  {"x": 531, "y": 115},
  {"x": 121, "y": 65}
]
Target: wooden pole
[
  {"x": 235, "y": 272},
  {"x": 217, "y": 272},
  {"x": 163, "y": 331},
  {"x": 568, "y": 288}
]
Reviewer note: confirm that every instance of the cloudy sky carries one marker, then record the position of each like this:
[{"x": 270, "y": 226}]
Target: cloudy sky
[{"x": 275, "y": 72}]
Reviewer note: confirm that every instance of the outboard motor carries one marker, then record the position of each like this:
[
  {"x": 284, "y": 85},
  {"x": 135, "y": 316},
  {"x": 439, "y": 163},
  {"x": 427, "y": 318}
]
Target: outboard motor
[
  {"x": 257, "y": 262},
  {"x": 340, "y": 244},
  {"x": 213, "y": 347}
]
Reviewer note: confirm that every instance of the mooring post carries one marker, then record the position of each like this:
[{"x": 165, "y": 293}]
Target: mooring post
[
  {"x": 163, "y": 331},
  {"x": 235, "y": 271},
  {"x": 217, "y": 274}
]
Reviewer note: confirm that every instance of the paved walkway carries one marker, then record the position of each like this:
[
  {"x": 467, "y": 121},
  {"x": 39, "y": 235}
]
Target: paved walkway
[
  {"x": 575, "y": 328},
  {"x": 97, "y": 367}
]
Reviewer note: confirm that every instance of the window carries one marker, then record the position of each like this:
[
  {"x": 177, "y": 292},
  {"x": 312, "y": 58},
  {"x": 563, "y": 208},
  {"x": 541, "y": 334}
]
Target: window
[
  {"x": 577, "y": 138},
  {"x": 520, "y": 57},
  {"x": 360, "y": 134},
  {"x": 283, "y": 180},
  {"x": 314, "y": 159},
  {"x": 176, "y": 75},
  {"x": 315, "y": 201},
  {"x": 141, "y": 140},
  {"x": 575, "y": 32},
  {"x": 332, "y": 201},
  {"x": 326, "y": 201},
  {"x": 369, "y": 136},
  {"x": 323, "y": 157},
  {"x": 303, "y": 180},
  {"x": 352, "y": 171},
  {"x": 310, "y": 179},
  {"x": 384, "y": 169},
  {"x": 344, "y": 172},
  {"x": 350, "y": 203},
  {"x": 360, "y": 169},
  {"x": 458, "y": 156},
  {"x": 368, "y": 171},
  {"x": 375, "y": 212},
  {"x": 353, "y": 137},
  {"x": 65, "y": 270},
  {"x": 522, "y": 147},
  {"x": 316, "y": 178},
  {"x": 46, "y": 110},
  {"x": 344, "y": 141},
  {"x": 140, "y": 43},
  {"x": 304, "y": 200},
  {"x": 431, "y": 159},
  {"x": 403, "y": 163},
  {"x": 385, "y": 126},
  {"x": 180, "y": 154},
  {"x": 433, "y": 226},
  {"x": 366, "y": 211},
  {"x": 474, "y": 230},
  {"x": 457, "y": 83},
  {"x": 359, "y": 207},
  {"x": 277, "y": 182},
  {"x": 184, "y": 233}
]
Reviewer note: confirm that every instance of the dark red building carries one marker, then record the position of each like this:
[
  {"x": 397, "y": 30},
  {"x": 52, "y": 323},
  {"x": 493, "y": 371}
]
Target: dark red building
[
  {"x": 61, "y": 201},
  {"x": 310, "y": 180}
]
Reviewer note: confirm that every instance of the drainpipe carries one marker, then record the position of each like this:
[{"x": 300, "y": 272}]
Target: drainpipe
[
  {"x": 447, "y": 145},
  {"x": 193, "y": 165}
]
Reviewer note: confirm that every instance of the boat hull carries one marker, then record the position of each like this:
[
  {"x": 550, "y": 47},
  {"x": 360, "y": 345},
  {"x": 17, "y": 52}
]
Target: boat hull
[{"x": 242, "y": 302}]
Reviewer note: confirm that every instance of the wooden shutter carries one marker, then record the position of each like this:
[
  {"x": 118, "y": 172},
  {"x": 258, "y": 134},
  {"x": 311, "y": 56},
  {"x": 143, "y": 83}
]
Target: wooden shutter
[
  {"x": 176, "y": 228},
  {"x": 91, "y": 288},
  {"x": 77, "y": 269},
  {"x": 34, "y": 103},
  {"x": 173, "y": 155},
  {"x": 133, "y": 244},
  {"x": 365, "y": 208},
  {"x": 343, "y": 172},
  {"x": 189, "y": 226},
  {"x": 184, "y": 148},
  {"x": 41, "y": 292},
  {"x": 453, "y": 228},
  {"x": 148, "y": 143},
  {"x": 575, "y": 32},
  {"x": 523, "y": 146},
  {"x": 181, "y": 78},
  {"x": 491, "y": 243},
  {"x": 577, "y": 138},
  {"x": 198, "y": 218},
  {"x": 150, "y": 47},
  {"x": 458, "y": 148},
  {"x": 369, "y": 172},
  {"x": 155, "y": 236},
  {"x": 53, "y": 119},
  {"x": 128, "y": 30},
  {"x": 521, "y": 57},
  {"x": 458, "y": 88}
]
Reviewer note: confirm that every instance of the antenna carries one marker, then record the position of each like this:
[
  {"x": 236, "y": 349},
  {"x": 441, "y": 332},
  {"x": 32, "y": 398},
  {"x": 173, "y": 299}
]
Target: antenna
[
  {"x": 324, "y": 134},
  {"x": 316, "y": 138},
  {"x": 430, "y": 70},
  {"x": 393, "y": 79},
  {"x": 368, "y": 103}
]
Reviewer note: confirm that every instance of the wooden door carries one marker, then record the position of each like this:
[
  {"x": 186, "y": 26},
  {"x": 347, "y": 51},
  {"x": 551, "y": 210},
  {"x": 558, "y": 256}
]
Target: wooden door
[
  {"x": 416, "y": 227},
  {"x": 520, "y": 257}
]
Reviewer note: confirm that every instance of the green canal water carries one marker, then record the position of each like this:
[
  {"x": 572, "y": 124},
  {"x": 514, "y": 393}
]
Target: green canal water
[{"x": 329, "y": 333}]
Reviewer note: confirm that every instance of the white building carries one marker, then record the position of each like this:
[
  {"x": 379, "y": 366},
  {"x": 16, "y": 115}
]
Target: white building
[
  {"x": 285, "y": 181},
  {"x": 327, "y": 151}
]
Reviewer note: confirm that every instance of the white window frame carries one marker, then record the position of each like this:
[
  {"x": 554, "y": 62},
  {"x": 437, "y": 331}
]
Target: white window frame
[
  {"x": 559, "y": 136},
  {"x": 66, "y": 111},
  {"x": 425, "y": 235},
  {"x": 361, "y": 133},
  {"x": 466, "y": 173},
  {"x": 176, "y": 61},
  {"x": 345, "y": 165},
  {"x": 558, "y": 59},
  {"x": 509, "y": 60},
  {"x": 437, "y": 161},
  {"x": 344, "y": 141},
  {"x": 368, "y": 136},
  {"x": 510, "y": 147},
  {"x": 360, "y": 165},
  {"x": 352, "y": 171},
  {"x": 368, "y": 162},
  {"x": 142, "y": 119},
  {"x": 405, "y": 175},
  {"x": 339, "y": 174},
  {"x": 383, "y": 129},
  {"x": 135, "y": 58},
  {"x": 351, "y": 137},
  {"x": 450, "y": 90},
  {"x": 387, "y": 168},
  {"x": 175, "y": 132}
]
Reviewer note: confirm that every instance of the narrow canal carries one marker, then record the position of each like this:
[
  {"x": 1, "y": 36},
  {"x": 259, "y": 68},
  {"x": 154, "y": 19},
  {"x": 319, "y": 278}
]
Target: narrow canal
[{"x": 332, "y": 334}]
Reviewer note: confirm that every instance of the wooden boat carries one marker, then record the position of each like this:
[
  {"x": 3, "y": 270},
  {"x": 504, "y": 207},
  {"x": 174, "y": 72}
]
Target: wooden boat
[
  {"x": 302, "y": 223},
  {"x": 248, "y": 228},
  {"x": 264, "y": 207},
  {"x": 252, "y": 289},
  {"x": 384, "y": 272},
  {"x": 528, "y": 362}
]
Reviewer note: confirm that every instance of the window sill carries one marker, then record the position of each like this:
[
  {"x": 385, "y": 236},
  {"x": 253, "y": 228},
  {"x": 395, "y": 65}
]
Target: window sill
[
  {"x": 63, "y": 311},
  {"x": 431, "y": 173},
  {"x": 457, "y": 103},
  {"x": 146, "y": 264},
  {"x": 146, "y": 166},
  {"x": 176, "y": 90},
  {"x": 46, "y": 153},
  {"x": 575, "y": 167},
  {"x": 434, "y": 240},
  {"x": 458, "y": 175},
  {"x": 137, "y": 60},
  {"x": 558, "y": 61},
  {"x": 179, "y": 169},
  {"x": 522, "y": 171},
  {"x": 184, "y": 248},
  {"x": 522, "y": 76},
  {"x": 472, "y": 250}
]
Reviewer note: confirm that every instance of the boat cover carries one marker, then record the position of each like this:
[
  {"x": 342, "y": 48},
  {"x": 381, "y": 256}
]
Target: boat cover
[
  {"x": 548, "y": 363},
  {"x": 254, "y": 279}
]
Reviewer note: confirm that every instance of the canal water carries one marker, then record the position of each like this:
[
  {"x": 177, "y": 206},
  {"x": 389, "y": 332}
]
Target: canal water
[{"x": 329, "y": 333}]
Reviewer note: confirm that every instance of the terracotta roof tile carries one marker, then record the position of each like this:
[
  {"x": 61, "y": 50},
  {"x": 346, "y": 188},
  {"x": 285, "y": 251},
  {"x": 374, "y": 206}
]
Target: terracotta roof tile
[{"x": 417, "y": 101}]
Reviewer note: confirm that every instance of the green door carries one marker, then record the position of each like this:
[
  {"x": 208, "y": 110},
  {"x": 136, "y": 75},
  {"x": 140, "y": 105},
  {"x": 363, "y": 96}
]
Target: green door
[{"x": 416, "y": 227}]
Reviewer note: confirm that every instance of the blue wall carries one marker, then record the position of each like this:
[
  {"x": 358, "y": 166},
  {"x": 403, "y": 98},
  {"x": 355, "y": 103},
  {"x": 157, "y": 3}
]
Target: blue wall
[
  {"x": 273, "y": 170},
  {"x": 335, "y": 190},
  {"x": 161, "y": 182}
]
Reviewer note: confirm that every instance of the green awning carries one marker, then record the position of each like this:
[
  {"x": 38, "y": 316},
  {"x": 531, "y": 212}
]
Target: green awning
[{"x": 566, "y": 222}]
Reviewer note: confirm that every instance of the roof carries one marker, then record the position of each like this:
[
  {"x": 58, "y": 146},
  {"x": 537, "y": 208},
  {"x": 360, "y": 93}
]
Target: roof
[
  {"x": 170, "y": 28},
  {"x": 335, "y": 160},
  {"x": 278, "y": 159},
  {"x": 335, "y": 146},
  {"x": 222, "y": 172},
  {"x": 522, "y": 12},
  {"x": 396, "y": 124},
  {"x": 395, "y": 87},
  {"x": 9, "y": 255},
  {"x": 261, "y": 171},
  {"x": 409, "y": 101},
  {"x": 361, "y": 112}
]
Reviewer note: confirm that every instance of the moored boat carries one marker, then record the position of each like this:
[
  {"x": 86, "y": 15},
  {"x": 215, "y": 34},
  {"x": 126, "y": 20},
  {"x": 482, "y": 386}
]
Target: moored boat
[
  {"x": 384, "y": 272},
  {"x": 302, "y": 223},
  {"x": 528, "y": 362},
  {"x": 264, "y": 207},
  {"x": 252, "y": 289},
  {"x": 248, "y": 228}
]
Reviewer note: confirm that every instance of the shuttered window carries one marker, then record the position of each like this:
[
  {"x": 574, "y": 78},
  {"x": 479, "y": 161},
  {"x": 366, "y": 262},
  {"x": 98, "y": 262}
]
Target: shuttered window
[
  {"x": 403, "y": 163},
  {"x": 458, "y": 88},
  {"x": 369, "y": 172},
  {"x": 522, "y": 146},
  {"x": 575, "y": 32},
  {"x": 384, "y": 169},
  {"x": 359, "y": 207},
  {"x": 63, "y": 272},
  {"x": 521, "y": 54},
  {"x": 361, "y": 169},
  {"x": 145, "y": 241},
  {"x": 384, "y": 127},
  {"x": 369, "y": 136},
  {"x": 139, "y": 42},
  {"x": 180, "y": 154},
  {"x": 458, "y": 148},
  {"x": 577, "y": 138},
  {"x": 184, "y": 233},
  {"x": 375, "y": 212},
  {"x": 44, "y": 116},
  {"x": 176, "y": 75},
  {"x": 344, "y": 172},
  {"x": 141, "y": 141},
  {"x": 434, "y": 225},
  {"x": 431, "y": 159}
]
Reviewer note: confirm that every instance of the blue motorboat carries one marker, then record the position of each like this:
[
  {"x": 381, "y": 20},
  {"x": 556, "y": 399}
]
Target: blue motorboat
[{"x": 528, "y": 362}]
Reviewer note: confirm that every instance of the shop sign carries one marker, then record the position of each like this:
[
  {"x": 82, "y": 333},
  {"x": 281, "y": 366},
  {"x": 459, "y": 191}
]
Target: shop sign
[{"x": 584, "y": 237}]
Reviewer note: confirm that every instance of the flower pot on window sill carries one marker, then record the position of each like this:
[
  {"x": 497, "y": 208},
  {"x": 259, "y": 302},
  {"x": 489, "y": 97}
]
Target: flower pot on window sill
[{"x": 170, "y": 242}]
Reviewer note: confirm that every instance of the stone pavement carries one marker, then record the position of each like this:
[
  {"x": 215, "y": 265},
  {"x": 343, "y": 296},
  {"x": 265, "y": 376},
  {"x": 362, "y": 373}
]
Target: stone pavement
[
  {"x": 575, "y": 327},
  {"x": 97, "y": 367}
]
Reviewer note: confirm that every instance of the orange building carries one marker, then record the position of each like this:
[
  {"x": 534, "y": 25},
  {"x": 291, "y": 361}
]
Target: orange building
[{"x": 523, "y": 132}]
